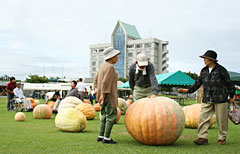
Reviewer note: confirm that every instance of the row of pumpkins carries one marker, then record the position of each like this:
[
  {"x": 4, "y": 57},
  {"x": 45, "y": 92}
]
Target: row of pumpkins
[{"x": 152, "y": 121}]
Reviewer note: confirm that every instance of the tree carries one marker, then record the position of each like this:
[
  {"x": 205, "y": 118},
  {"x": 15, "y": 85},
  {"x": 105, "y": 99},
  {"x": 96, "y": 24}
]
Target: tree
[
  {"x": 37, "y": 79},
  {"x": 194, "y": 76}
]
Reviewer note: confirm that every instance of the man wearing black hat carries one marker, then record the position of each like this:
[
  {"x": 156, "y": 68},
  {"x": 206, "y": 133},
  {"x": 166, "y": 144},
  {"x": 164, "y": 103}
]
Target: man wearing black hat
[{"x": 217, "y": 88}]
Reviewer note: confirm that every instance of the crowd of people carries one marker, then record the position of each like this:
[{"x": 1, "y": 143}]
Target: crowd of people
[
  {"x": 16, "y": 95},
  {"x": 218, "y": 90}
]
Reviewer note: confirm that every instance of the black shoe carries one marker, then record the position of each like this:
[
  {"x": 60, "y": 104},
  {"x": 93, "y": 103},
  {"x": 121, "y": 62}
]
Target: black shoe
[
  {"x": 99, "y": 139},
  {"x": 109, "y": 141}
]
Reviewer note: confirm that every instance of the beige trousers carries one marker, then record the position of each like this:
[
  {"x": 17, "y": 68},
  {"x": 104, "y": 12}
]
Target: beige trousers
[{"x": 207, "y": 111}]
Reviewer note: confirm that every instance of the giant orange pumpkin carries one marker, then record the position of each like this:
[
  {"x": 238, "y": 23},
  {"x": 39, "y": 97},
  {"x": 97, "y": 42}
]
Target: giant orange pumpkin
[
  {"x": 192, "y": 116},
  {"x": 86, "y": 101},
  {"x": 118, "y": 115},
  {"x": 42, "y": 111},
  {"x": 97, "y": 107},
  {"x": 87, "y": 110},
  {"x": 130, "y": 101},
  {"x": 51, "y": 104},
  {"x": 155, "y": 121}
]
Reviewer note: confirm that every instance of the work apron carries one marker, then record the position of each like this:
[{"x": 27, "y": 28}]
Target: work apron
[{"x": 140, "y": 92}]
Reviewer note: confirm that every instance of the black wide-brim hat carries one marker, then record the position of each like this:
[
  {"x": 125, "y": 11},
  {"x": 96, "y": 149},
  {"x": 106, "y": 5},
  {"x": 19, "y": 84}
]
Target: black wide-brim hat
[{"x": 210, "y": 54}]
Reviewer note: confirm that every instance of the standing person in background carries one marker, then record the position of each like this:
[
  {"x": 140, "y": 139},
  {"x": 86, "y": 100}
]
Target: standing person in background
[
  {"x": 142, "y": 79},
  {"x": 91, "y": 95},
  {"x": 217, "y": 87},
  {"x": 81, "y": 89},
  {"x": 105, "y": 84},
  {"x": 10, "y": 87}
]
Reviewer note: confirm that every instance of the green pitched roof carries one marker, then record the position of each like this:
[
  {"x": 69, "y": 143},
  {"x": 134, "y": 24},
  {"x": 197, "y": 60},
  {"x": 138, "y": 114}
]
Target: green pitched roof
[
  {"x": 173, "y": 78},
  {"x": 131, "y": 30}
]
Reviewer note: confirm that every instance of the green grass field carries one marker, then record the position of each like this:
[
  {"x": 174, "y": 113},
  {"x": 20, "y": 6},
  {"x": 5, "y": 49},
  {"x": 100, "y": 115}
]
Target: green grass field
[{"x": 41, "y": 136}]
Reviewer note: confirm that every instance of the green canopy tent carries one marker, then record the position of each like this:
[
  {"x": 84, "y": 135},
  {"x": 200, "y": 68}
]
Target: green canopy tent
[
  {"x": 235, "y": 77},
  {"x": 173, "y": 78}
]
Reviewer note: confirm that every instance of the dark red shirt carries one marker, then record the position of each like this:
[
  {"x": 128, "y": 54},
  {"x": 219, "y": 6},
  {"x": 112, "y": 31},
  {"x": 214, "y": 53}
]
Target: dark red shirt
[{"x": 11, "y": 86}]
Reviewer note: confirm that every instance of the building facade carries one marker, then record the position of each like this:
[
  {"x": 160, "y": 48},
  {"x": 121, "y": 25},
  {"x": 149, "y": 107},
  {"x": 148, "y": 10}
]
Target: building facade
[{"x": 126, "y": 39}]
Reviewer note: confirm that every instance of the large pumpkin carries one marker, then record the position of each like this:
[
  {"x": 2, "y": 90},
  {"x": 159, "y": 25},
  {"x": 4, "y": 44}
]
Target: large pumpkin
[
  {"x": 192, "y": 116},
  {"x": 122, "y": 104},
  {"x": 69, "y": 102},
  {"x": 155, "y": 121},
  {"x": 118, "y": 115},
  {"x": 86, "y": 101},
  {"x": 97, "y": 107},
  {"x": 87, "y": 110},
  {"x": 51, "y": 104},
  {"x": 20, "y": 116},
  {"x": 42, "y": 111},
  {"x": 71, "y": 120}
]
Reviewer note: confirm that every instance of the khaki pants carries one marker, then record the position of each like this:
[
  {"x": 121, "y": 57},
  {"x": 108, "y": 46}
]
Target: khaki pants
[
  {"x": 139, "y": 92},
  {"x": 207, "y": 111}
]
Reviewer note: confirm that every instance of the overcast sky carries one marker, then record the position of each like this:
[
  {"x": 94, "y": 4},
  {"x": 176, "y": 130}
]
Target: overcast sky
[{"x": 52, "y": 37}]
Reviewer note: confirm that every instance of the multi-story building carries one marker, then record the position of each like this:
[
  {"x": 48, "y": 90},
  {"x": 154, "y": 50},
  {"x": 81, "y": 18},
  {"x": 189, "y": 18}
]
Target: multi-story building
[{"x": 126, "y": 39}]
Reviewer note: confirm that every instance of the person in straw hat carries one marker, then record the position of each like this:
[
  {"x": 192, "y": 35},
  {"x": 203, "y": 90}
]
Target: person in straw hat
[
  {"x": 142, "y": 79},
  {"x": 105, "y": 85},
  {"x": 217, "y": 87}
]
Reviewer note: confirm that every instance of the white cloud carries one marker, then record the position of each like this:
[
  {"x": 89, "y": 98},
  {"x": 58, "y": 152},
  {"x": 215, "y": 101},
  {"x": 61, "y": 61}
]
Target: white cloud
[{"x": 37, "y": 33}]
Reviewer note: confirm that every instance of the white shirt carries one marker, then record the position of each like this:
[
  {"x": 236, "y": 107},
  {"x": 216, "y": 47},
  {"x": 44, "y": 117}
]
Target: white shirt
[
  {"x": 81, "y": 86},
  {"x": 18, "y": 92},
  {"x": 144, "y": 71},
  {"x": 210, "y": 70}
]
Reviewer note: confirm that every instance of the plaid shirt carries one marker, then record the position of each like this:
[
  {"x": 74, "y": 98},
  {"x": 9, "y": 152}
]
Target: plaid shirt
[{"x": 217, "y": 85}]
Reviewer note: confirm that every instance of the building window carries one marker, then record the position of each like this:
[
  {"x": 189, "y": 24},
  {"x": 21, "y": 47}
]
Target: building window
[
  {"x": 148, "y": 53},
  {"x": 93, "y": 75},
  {"x": 119, "y": 44},
  {"x": 130, "y": 46},
  {"x": 94, "y": 69},
  {"x": 139, "y": 46},
  {"x": 93, "y": 63},
  {"x": 147, "y": 45},
  {"x": 100, "y": 62},
  {"x": 93, "y": 58},
  {"x": 94, "y": 51},
  {"x": 130, "y": 55},
  {"x": 101, "y": 57}
]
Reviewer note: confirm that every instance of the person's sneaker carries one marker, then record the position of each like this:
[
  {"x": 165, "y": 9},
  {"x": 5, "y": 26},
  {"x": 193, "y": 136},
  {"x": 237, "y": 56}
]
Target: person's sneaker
[
  {"x": 221, "y": 142},
  {"x": 99, "y": 139},
  {"x": 108, "y": 141},
  {"x": 201, "y": 141}
]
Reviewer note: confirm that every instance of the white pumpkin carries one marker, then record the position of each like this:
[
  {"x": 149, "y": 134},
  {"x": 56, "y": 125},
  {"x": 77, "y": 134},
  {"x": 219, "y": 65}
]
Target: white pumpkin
[
  {"x": 71, "y": 120},
  {"x": 122, "y": 105},
  {"x": 37, "y": 102},
  {"x": 69, "y": 102}
]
